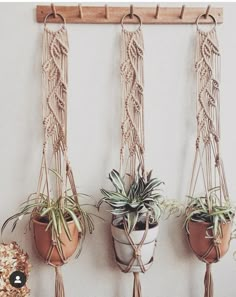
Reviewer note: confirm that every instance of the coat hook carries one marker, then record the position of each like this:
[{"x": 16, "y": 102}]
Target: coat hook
[
  {"x": 157, "y": 11},
  {"x": 182, "y": 12},
  {"x": 106, "y": 11},
  {"x": 54, "y": 10},
  {"x": 131, "y": 11},
  {"x": 207, "y": 11},
  {"x": 80, "y": 11}
]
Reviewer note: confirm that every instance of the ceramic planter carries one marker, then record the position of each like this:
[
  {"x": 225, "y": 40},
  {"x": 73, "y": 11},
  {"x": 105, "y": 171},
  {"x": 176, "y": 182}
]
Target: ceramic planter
[
  {"x": 200, "y": 244},
  {"x": 43, "y": 242},
  {"x": 125, "y": 252}
]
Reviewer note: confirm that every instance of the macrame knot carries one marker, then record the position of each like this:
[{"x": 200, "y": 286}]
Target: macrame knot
[
  {"x": 67, "y": 166},
  {"x": 137, "y": 253},
  {"x": 217, "y": 161},
  {"x": 216, "y": 138},
  {"x": 54, "y": 242},
  {"x": 206, "y": 139},
  {"x": 197, "y": 142},
  {"x": 132, "y": 150},
  {"x": 44, "y": 147},
  {"x": 217, "y": 241},
  {"x": 215, "y": 83}
]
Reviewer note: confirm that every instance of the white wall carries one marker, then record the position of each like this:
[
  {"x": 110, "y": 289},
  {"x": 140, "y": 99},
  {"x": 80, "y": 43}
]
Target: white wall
[{"x": 94, "y": 115}]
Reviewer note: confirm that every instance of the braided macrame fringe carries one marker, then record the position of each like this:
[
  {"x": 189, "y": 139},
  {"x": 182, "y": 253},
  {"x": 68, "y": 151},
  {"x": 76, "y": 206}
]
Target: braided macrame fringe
[
  {"x": 59, "y": 285},
  {"x": 137, "y": 291},
  {"x": 208, "y": 282}
]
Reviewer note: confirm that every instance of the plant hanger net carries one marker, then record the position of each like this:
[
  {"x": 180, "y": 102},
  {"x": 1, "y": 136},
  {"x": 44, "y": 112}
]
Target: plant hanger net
[
  {"x": 132, "y": 134},
  {"x": 55, "y": 174},
  {"x": 132, "y": 82},
  {"x": 208, "y": 170}
]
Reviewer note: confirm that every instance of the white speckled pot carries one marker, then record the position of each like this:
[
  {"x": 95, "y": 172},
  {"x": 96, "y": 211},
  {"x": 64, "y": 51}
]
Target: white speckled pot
[{"x": 124, "y": 251}]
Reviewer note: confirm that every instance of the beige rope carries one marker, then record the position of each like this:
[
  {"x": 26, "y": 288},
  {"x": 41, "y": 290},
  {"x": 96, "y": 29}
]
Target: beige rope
[
  {"x": 207, "y": 157},
  {"x": 136, "y": 248},
  {"x": 132, "y": 81},
  {"x": 54, "y": 100},
  {"x": 207, "y": 161},
  {"x": 137, "y": 290},
  {"x": 208, "y": 282},
  {"x": 132, "y": 128},
  {"x": 59, "y": 286}
]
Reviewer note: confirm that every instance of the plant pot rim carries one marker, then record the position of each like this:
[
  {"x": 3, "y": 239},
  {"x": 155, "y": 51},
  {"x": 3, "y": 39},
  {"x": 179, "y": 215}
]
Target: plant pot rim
[
  {"x": 35, "y": 220},
  {"x": 141, "y": 230},
  {"x": 208, "y": 223}
]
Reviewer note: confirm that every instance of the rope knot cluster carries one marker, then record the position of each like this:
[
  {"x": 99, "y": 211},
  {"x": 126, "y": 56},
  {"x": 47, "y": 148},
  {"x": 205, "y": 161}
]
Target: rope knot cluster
[
  {"x": 217, "y": 241},
  {"x": 55, "y": 159},
  {"x": 132, "y": 126},
  {"x": 137, "y": 253},
  {"x": 197, "y": 142},
  {"x": 217, "y": 161}
]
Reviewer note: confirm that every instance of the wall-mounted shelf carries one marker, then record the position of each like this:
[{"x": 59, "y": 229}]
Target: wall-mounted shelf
[{"x": 113, "y": 15}]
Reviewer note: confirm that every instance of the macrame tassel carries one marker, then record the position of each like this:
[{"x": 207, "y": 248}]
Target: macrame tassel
[
  {"x": 208, "y": 281},
  {"x": 137, "y": 291},
  {"x": 59, "y": 286}
]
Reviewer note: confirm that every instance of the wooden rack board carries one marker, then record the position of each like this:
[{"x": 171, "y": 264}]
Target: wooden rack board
[{"x": 113, "y": 15}]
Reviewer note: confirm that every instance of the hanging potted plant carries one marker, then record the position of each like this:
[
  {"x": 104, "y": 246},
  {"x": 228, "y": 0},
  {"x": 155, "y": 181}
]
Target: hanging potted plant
[
  {"x": 136, "y": 201},
  {"x": 209, "y": 216},
  {"x": 209, "y": 226},
  {"x": 59, "y": 223},
  {"x": 136, "y": 212}
]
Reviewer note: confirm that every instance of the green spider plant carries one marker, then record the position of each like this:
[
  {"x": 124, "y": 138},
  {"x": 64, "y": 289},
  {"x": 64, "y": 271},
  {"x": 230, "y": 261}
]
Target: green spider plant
[
  {"x": 143, "y": 197},
  {"x": 57, "y": 213},
  {"x": 211, "y": 210}
]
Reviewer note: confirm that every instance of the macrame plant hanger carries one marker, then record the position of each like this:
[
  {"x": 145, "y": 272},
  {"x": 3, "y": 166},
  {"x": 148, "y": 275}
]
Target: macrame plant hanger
[
  {"x": 132, "y": 127},
  {"x": 207, "y": 162},
  {"x": 54, "y": 100}
]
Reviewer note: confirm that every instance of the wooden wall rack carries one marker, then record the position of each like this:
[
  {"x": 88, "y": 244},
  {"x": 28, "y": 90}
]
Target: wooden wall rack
[{"x": 112, "y": 15}]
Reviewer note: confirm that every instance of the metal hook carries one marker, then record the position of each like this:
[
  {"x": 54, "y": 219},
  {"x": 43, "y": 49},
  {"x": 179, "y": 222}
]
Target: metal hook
[
  {"x": 182, "y": 12},
  {"x": 106, "y": 11},
  {"x": 207, "y": 11},
  {"x": 80, "y": 11},
  {"x": 131, "y": 11},
  {"x": 157, "y": 11},
  {"x": 54, "y": 10}
]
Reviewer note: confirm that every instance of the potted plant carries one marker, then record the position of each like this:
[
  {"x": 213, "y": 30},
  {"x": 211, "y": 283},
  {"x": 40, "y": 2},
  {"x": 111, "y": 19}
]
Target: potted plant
[
  {"x": 136, "y": 212},
  {"x": 208, "y": 225},
  {"x": 60, "y": 221}
]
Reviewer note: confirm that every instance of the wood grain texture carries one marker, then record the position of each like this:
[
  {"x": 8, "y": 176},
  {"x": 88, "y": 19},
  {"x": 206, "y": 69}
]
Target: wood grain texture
[{"x": 97, "y": 14}]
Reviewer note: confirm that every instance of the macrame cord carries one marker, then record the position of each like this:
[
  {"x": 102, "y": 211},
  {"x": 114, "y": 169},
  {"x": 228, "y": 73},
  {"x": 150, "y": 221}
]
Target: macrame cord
[
  {"x": 132, "y": 131},
  {"x": 132, "y": 81},
  {"x": 207, "y": 161},
  {"x": 54, "y": 100}
]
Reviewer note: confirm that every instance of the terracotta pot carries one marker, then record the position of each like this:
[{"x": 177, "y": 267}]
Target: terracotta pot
[
  {"x": 125, "y": 252},
  {"x": 200, "y": 244},
  {"x": 43, "y": 242}
]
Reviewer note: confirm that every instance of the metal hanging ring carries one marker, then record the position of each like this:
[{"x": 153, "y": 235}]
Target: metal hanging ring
[
  {"x": 135, "y": 15},
  {"x": 57, "y": 14},
  {"x": 203, "y": 15}
]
